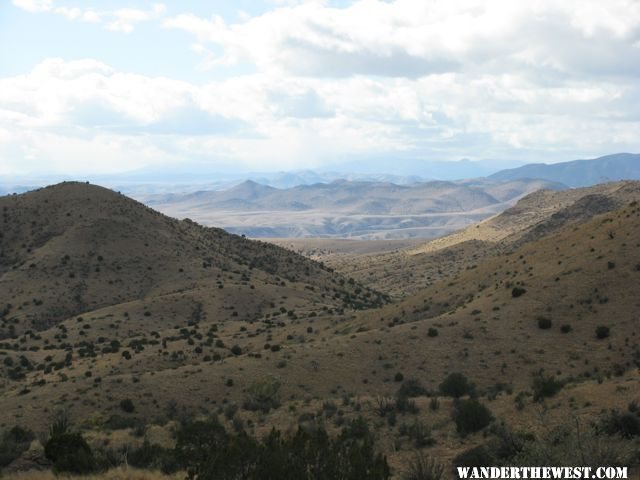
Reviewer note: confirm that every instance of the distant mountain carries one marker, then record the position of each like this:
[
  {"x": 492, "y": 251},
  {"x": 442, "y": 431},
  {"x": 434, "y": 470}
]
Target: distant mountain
[
  {"x": 579, "y": 173},
  {"x": 349, "y": 208}
]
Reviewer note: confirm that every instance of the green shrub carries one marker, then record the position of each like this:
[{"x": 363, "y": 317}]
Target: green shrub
[
  {"x": 471, "y": 416},
  {"x": 70, "y": 453},
  {"x": 411, "y": 388},
  {"x": 456, "y": 385},
  {"x": 127, "y": 405},
  {"x": 624, "y": 424},
  {"x": 544, "y": 323},
  {"x": 602, "y": 332},
  {"x": 207, "y": 451},
  {"x": 518, "y": 292},
  {"x": 263, "y": 396},
  {"x": 544, "y": 387},
  {"x": 13, "y": 443},
  {"x": 432, "y": 332},
  {"x": 566, "y": 328}
]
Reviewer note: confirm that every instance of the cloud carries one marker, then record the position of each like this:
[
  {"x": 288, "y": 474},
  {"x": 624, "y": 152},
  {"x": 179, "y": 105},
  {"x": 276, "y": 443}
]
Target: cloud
[
  {"x": 118, "y": 20},
  {"x": 413, "y": 38},
  {"x": 536, "y": 81},
  {"x": 263, "y": 120}
]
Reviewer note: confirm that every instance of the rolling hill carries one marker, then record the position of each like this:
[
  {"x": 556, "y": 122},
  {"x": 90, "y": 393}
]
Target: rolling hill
[{"x": 133, "y": 323}]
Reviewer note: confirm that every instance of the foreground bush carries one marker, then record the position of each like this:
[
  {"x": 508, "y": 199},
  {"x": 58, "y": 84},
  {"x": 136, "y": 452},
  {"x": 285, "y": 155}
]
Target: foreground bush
[
  {"x": 471, "y": 416},
  {"x": 456, "y": 385},
  {"x": 13, "y": 443},
  {"x": 210, "y": 453},
  {"x": 69, "y": 452}
]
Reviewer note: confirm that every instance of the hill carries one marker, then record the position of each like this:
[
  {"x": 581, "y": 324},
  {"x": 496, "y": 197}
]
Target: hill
[
  {"x": 354, "y": 209},
  {"x": 579, "y": 173},
  {"x": 167, "y": 321},
  {"x": 404, "y": 271},
  {"x": 73, "y": 248}
]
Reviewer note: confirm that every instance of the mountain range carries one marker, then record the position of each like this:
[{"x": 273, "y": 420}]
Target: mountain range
[{"x": 348, "y": 208}]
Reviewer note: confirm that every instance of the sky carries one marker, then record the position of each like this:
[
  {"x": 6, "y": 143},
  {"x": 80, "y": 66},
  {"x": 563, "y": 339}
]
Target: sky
[{"x": 90, "y": 86}]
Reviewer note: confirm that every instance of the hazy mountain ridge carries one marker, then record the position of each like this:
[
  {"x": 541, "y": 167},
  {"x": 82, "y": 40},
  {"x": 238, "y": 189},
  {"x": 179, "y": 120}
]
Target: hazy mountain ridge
[
  {"x": 579, "y": 173},
  {"x": 349, "y": 209}
]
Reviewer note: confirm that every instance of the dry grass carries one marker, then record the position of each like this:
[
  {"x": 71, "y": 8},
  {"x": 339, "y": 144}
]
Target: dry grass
[{"x": 114, "y": 474}]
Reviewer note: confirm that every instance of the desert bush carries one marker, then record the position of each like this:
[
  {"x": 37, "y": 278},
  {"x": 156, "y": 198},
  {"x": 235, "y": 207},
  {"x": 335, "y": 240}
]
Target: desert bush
[
  {"x": 127, "y": 405},
  {"x": 624, "y": 424},
  {"x": 518, "y": 292},
  {"x": 411, "y": 388},
  {"x": 566, "y": 328},
  {"x": 545, "y": 386},
  {"x": 471, "y": 416},
  {"x": 70, "y": 453},
  {"x": 602, "y": 332},
  {"x": 544, "y": 323},
  {"x": 13, "y": 443},
  {"x": 432, "y": 332},
  {"x": 311, "y": 453},
  {"x": 263, "y": 396},
  {"x": 571, "y": 445},
  {"x": 456, "y": 385}
]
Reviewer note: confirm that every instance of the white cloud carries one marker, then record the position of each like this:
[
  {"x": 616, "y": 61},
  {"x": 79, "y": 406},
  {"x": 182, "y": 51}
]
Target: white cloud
[
  {"x": 413, "y": 38},
  {"x": 119, "y": 20},
  {"x": 34, "y": 5},
  {"x": 536, "y": 80},
  {"x": 267, "y": 120}
]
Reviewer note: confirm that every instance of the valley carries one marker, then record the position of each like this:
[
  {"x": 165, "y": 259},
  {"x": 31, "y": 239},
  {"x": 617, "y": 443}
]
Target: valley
[{"x": 129, "y": 322}]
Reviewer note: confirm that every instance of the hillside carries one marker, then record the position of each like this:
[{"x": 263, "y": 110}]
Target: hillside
[
  {"x": 407, "y": 270},
  {"x": 349, "y": 209},
  {"x": 75, "y": 248},
  {"x": 579, "y": 173},
  {"x": 168, "y": 321}
]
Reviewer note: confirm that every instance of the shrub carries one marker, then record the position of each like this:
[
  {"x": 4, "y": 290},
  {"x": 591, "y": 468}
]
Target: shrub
[
  {"x": 209, "y": 452},
  {"x": 544, "y": 387},
  {"x": 263, "y": 396},
  {"x": 13, "y": 443},
  {"x": 456, "y": 385},
  {"x": 69, "y": 452},
  {"x": 602, "y": 331},
  {"x": 544, "y": 323},
  {"x": 398, "y": 377},
  {"x": 566, "y": 328},
  {"x": 432, "y": 332},
  {"x": 518, "y": 292},
  {"x": 625, "y": 424},
  {"x": 411, "y": 388},
  {"x": 236, "y": 350},
  {"x": 127, "y": 405},
  {"x": 471, "y": 416}
]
